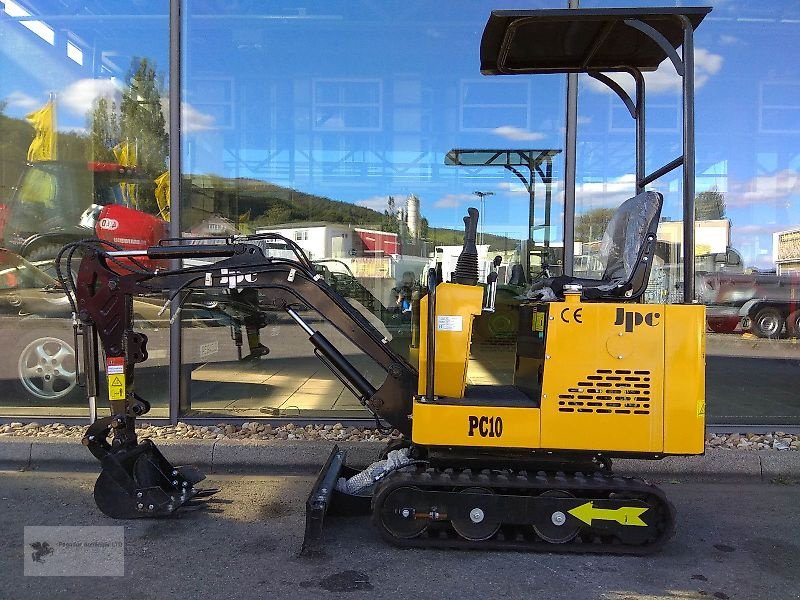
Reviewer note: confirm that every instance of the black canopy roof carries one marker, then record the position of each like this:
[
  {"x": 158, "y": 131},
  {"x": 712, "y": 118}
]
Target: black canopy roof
[{"x": 579, "y": 40}]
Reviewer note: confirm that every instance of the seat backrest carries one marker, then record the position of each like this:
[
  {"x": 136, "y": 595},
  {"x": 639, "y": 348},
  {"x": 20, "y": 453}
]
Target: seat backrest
[
  {"x": 517, "y": 275},
  {"x": 627, "y": 235}
]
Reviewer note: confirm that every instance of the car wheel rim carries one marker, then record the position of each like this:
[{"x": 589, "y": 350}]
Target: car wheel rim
[
  {"x": 46, "y": 368},
  {"x": 768, "y": 325}
]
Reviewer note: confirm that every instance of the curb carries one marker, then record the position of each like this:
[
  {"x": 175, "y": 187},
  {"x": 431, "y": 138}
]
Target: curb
[{"x": 309, "y": 456}]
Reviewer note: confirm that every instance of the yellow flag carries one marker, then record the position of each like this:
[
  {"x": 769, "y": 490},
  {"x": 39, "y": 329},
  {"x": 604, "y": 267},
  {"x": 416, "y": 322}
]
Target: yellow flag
[
  {"x": 162, "y": 195},
  {"x": 125, "y": 153},
  {"x": 43, "y": 146}
]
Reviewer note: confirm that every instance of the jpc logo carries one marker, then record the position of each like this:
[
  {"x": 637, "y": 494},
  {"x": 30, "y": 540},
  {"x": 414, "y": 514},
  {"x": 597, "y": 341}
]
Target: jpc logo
[
  {"x": 233, "y": 278},
  {"x": 633, "y": 319}
]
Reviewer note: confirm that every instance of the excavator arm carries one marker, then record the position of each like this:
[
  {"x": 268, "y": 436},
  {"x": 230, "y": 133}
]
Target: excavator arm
[{"x": 136, "y": 480}]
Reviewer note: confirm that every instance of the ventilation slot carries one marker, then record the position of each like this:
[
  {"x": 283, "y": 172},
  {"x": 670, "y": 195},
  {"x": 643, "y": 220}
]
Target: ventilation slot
[{"x": 607, "y": 391}]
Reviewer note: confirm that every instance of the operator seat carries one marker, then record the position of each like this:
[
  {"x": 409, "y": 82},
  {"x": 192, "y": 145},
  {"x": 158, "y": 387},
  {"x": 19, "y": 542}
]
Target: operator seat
[
  {"x": 626, "y": 253},
  {"x": 517, "y": 275}
]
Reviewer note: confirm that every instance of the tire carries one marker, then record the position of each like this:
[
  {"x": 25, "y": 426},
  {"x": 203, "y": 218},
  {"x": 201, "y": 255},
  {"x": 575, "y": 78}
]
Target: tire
[
  {"x": 42, "y": 252},
  {"x": 47, "y": 251},
  {"x": 45, "y": 368},
  {"x": 793, "y": 324},
  {"x": 768, "y": 323}
]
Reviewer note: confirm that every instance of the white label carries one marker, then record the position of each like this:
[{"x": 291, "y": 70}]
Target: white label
[{"x": 449, "y": 323}]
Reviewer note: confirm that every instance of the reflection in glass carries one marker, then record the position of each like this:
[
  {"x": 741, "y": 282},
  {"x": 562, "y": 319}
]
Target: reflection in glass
[{"x": 82, "y": 125}]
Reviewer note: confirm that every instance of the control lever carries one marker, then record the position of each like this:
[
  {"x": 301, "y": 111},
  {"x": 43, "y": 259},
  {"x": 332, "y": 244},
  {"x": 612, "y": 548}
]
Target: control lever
[
  {"x": 491, "y": 292},
  {"x": 491, "y": 285}
]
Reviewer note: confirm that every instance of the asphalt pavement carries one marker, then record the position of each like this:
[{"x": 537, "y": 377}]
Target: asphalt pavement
[{"x": 737, "y": 537}]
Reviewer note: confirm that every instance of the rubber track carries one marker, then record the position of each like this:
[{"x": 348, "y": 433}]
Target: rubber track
[{"x": 522, "y": 537}]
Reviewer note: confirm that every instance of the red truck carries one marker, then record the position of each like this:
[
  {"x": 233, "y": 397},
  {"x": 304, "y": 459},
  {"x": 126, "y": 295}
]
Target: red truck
[{"x": 765, "y": 304}]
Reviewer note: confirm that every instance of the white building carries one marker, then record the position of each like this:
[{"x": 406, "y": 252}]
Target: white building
[
  {"x": 333, "y": 240},
  {"x": 710, "y": 236},
  {"x": 786, "y": 251}
]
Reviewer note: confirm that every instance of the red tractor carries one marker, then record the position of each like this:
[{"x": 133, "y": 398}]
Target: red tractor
[{"x": 57, "y": 202}]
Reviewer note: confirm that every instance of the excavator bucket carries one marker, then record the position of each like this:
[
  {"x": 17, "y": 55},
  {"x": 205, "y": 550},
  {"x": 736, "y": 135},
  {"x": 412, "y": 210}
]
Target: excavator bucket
[
  {"x": 325, "y": 499},
  {"x": 140, "y": 482}
]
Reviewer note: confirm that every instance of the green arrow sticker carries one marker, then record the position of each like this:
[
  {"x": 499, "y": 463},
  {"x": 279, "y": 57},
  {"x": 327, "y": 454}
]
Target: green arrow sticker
[{"x": 624, "y": 515}]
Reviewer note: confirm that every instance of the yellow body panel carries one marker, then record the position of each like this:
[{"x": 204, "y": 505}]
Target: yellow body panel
[
  {"x": 456, "y": 307},
  {"x": 603, "y": 377},
  {"x": 620, "y": 378},
  {"x": 479, "y": 426},
  {"x": 684, "y": 388}
]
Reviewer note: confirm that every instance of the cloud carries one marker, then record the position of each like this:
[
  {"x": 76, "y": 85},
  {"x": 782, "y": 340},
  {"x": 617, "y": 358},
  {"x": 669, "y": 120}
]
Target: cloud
[
  {"x": 729, "y": 40},
  {"x": 763, "y": 189},
  {"x": 512, "y": 188},
  {"x": 79, "y": 96},
  {"x": 665, "y": 79},
  {"x": 192, "y": 120},
  {"x": 516, "y": 134},
  {"x": 22, "y": 101},
  {"x": 453, "y": 200},
  {"x": 607, "y": 194},
  {"x": 378, "y": 203},
  {"x": 739, "y": 230}
]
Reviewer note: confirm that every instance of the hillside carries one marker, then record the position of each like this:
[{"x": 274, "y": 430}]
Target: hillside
[{"x": 268, "y": 204}]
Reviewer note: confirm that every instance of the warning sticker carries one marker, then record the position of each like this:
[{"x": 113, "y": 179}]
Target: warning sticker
[
  {"x": 115, "y": 365},
  {"x": 116, "y": 387},
  {"x": 449, "y": 323},
  {"x": 538, "y": 321}
]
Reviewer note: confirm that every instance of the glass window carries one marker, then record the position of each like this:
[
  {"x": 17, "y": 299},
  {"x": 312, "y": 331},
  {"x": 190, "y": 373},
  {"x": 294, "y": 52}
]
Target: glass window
[{"x": 82, "y": 140}]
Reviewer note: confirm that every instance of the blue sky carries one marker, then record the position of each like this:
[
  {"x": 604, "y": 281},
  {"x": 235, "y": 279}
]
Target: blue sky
[{"x": 357, "y": 101}]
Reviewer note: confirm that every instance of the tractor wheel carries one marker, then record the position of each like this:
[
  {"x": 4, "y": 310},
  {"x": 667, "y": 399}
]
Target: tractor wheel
[
  {"x": 768, "y": 323},
  {"x": 44, "y": 252}
]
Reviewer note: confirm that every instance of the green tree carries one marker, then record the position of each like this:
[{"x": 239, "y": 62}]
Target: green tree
[
  {"x": 104, "y": 131},
  {"x": 141, "y": 118},
  {"x": 424, "y": 228},
  {"x": 391, "y": 224},
  {"x": 137, "y": 120},
  {"x": 709, "y": 205},
  {"x": 591, "y": 225}
]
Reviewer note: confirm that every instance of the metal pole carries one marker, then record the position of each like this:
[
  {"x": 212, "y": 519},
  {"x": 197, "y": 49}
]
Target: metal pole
[
  {"x": 175, "y": 358},
  {"x": 641, "y": 129},
  {"x": 688, "y": 160},
  {"x": 570, "y": 159}
]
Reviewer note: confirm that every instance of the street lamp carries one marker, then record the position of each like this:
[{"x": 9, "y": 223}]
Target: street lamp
[{"x": 482, "y": 195}]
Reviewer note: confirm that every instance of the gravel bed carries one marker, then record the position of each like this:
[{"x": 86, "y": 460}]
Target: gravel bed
[
  {"x": 260, "y": 431},
  {"x": 221, "y": 431}
]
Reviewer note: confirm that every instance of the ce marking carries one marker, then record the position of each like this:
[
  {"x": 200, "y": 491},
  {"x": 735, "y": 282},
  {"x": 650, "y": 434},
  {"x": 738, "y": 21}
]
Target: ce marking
[{"x": 575, "y": 313}]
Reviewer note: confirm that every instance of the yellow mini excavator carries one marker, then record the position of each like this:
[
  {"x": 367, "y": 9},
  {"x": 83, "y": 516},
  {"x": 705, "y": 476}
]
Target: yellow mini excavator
[{"x": 598, "y": 374}]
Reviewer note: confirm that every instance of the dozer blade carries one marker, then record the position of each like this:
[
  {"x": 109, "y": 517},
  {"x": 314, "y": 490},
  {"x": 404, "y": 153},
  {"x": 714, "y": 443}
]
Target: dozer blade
[
  {"x": 325, "y": 499},
  {"x": 140, "y": 483}
]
